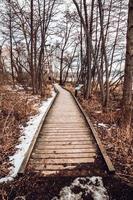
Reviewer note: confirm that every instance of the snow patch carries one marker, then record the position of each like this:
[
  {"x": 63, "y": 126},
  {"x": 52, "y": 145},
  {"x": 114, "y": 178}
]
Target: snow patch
[
  {"x": 103, "y": 125},
  {"x": 98, "y": 111},
  {"x": 27, "y": 134},
  {"x": 84, "y": 188}
]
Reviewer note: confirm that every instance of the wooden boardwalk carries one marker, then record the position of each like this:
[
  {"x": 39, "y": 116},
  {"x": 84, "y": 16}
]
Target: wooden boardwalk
[{"x": 65, "y": 140}]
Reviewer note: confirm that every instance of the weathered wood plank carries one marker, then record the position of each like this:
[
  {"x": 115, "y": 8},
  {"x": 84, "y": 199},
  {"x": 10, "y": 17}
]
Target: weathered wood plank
[
  {"x": 63, "y": 161},
  {"x": 48, "y": 167},
  {"x": 58, "y": 151},
  {"x": 68, "y": 135},
  {"x": 63, "y": 156},
  {"x": 87, "y": 142},
  {"x": 52, "y": 134},
  {"x": 58, "y": 167},
  {"x": 43, "y": 132},
  {"x": 65, "y": 138},
  {"x": 70, "y": 146},
  {"x": 49, "y": 173},
  {"x": 66, "y": 128}
]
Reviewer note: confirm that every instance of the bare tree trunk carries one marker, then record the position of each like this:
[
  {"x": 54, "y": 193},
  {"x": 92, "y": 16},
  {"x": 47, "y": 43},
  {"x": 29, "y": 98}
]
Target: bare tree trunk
[
  {"x": 61, "y": 67},
  {"x": 88, "y": 53},
  {"x": 104, "y": 54},
  {"x": 128, "y": 77},
  {"x": 32, "y": 47},
  {"x": 81, "y": 42},
  {"x": 69, "y": 65},
  {"x": 11, "y": 44},
  {"x": 41, "y": 54}
]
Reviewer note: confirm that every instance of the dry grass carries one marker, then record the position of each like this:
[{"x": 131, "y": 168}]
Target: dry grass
[
  {"x": 117, "y": 141},
  {"x": 94, "y": 109},
  {"x": 15, "y": 108}
]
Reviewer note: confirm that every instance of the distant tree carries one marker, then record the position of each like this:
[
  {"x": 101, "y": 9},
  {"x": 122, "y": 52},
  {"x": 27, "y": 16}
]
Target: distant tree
[
  {"x": 10, "y": 26},
  {"x": 26, "y": 27},
  {"x": 66, "y": 45}
]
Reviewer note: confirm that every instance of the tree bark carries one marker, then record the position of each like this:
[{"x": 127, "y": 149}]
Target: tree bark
[
  {"x": 32, "y": 47},
  {"x": 11, "y": 43},
  {"x": 104, "y": 54},
  {"x": 128, "y": 76}
]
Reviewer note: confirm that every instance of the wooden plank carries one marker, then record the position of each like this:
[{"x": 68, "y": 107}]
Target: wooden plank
[
  {"x": 64, "y": 126},
  {"x": 79, "y": 134},
  {"x": 60, "y": 135},
  {"x": 55, "y": 156},
  {"x": 62, "y": 120},
  {"x": 63, "y": 161},
  {"x": 49, "y": 173},
  {"x": 58, "y": 151},
  {"x": 69, "y": 123},
  {"x": 75, "y": 120},
  {"x": 63, "y": 131},
  {"x": 70, "y": 146},
  {"x": 65, "y": 139},
  {"x": 58, "y": 167},
  {"x": 35, "y": 166},
  {"x": 88, "y": 142},
  {"x": 74, "y": 117},
  {"x": 48, "y": 167}
]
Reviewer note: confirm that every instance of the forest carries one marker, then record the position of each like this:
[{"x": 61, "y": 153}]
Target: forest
[{"x": 49, "y": 49}]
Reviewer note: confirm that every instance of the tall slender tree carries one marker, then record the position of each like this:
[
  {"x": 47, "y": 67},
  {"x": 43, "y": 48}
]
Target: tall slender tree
[
  {"x": 11, "y": 41},
  {"x": 128, "y": 77},
  {"x": 32, "y": 45}
]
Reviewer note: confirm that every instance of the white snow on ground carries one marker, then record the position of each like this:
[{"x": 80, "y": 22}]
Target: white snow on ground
[
  {"x": 98, "y": 111},
  {"x": 84, "y": 187},
  {"x": 106, "y": 126},
  {"x": 27, "y": 134},
  {"x": 103, "y": 125}
]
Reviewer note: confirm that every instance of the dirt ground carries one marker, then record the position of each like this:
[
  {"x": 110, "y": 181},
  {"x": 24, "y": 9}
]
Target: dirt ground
[{"x": 33, "y": 187}]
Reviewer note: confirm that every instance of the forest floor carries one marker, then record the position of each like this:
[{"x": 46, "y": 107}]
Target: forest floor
[
  {"x": 35, "y": 187},
  {"x": 16, "y": 106}
]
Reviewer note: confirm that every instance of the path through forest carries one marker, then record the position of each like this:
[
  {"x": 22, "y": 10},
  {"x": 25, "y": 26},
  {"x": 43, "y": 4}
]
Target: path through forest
[{"x": 65, "y": 140}]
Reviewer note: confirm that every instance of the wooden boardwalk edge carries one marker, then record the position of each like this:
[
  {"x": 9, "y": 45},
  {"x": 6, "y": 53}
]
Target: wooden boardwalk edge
[
  {"x": 27, "y": 156},
  {"x": 106, "y": 158}
]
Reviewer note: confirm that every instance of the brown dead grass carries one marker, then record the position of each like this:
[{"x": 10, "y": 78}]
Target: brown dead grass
[
  {"x": 118, "y": 142},
  {"x": 15, "y": 108},
  {"x": 94, "y": 109}
]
